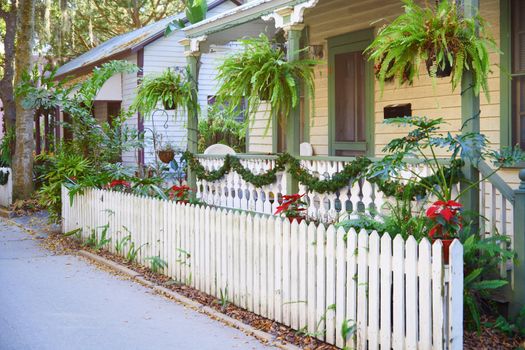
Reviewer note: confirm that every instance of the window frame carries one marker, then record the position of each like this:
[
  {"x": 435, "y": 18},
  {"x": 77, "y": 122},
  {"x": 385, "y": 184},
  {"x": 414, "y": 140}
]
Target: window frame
[{"x": 351, "y": 42}]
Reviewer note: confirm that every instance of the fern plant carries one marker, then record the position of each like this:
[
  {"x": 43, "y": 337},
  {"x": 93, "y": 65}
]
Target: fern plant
[
  {"x": 439, "y": 36},
  {"x": 173, "y": 89},
  {"x": 260, "y": 72}
]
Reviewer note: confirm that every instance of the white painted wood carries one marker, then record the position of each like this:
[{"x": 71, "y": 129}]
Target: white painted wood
[
  {"x": 398, "y": 267},
  {"x": 411, "y": 293},
  {"x": 437, "y": 296},
  {"x": 362, "y": 287},
  {"x": 455, "y": 300},
  {"x": 373, "y": 291},
  {"x": 321, "y": 283},
  {"x": 340, "y": 291},
  {"x": 425, "y": 294},
  {"x": 385, "y": 261},
  {"x": 330, "y": 284},
  {"x": 293, "y": 273}
]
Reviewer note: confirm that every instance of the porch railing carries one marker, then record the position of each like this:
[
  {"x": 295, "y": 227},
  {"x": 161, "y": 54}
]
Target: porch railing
[{"x": 233, "y": 192}]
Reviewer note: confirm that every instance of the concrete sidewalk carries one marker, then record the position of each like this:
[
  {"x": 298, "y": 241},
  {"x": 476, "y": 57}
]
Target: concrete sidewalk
[{"x": 63, "y": 302}]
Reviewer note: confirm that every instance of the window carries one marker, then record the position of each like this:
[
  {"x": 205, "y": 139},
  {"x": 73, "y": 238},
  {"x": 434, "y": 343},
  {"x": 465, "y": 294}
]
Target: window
[
  {"x": 517, "y": 65},
  {"x": 351, "y": 95}
]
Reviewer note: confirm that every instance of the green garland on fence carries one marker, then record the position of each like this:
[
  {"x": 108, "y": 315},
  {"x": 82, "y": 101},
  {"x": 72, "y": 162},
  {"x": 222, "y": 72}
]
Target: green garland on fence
[{"x": 352, "y": 171}]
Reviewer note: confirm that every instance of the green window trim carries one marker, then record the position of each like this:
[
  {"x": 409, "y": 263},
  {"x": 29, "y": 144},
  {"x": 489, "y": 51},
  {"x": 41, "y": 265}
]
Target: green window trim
[
  {"x": 349, "y": 42},
  {"x": 505, "y": 77}
]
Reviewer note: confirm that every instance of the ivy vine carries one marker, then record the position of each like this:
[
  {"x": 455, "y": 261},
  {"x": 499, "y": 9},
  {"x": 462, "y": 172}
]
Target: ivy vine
[{"x": 351, "y": 172}]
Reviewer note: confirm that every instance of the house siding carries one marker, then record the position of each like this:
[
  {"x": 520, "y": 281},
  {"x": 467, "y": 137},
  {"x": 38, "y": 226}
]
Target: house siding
[{"x": 129, "y": 86}]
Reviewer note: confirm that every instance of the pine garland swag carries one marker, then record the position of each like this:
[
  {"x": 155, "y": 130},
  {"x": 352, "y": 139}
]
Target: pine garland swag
[{"x": 353, "y": 171}]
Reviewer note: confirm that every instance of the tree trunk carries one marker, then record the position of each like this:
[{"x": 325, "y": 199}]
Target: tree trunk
[
  {"x": 25, "y": 143},
  {"x": 6, "y": 83}
]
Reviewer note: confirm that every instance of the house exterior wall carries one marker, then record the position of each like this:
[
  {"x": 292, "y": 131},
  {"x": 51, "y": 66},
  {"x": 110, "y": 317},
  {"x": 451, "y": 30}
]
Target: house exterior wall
[
  {"x": 129, "y": 88},
  {"x": 331, "y": 18}
]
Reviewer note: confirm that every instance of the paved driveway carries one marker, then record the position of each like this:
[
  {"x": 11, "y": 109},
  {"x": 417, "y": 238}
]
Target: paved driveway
[{"x": 63, "y": 302}]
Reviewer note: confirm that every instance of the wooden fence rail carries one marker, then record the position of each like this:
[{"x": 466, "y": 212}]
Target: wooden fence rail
[{"x": 398, "y": 294}]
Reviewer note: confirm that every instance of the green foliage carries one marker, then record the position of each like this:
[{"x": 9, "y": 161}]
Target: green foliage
[
  {"x": 259, "y": 73},
  {"x": 510, "y": 327},
  {"x": 61, "y": 167},
  {"x": 222, "y": 126},
  {"x": 348, "y": 330},
  {"x": 196, "y": 10},
  {"x": 482, "y": 256},
  {"x": 353, "y": 171},
  {"x": 95, "y": 242},
  {"x": 424, "y": 142},
  {"x": 173, "y": 88},
  {"x": 157, "y": 264},
  {"x": 120, "y": 244},
  {"x": 133, "y": 251},
  {"x": 399, "y": 218},
  {"x": 440, "y": 36},
  {"x": 6, "y": 147},
  {"x": 223, "y": 300}
]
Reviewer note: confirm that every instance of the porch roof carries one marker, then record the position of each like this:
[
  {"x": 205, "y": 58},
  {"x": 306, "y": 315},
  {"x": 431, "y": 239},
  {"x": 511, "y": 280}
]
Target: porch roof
[{"x": 248, "y": 12}]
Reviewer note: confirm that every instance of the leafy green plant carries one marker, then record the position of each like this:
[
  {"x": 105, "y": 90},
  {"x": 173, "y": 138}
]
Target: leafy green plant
[
  {"x": 482, "y": 256},
  {"x": 95, "y": 242},
  {"x": 424, "y": 142},
  {"x": 59, "y": 167},
  {"x": 133, "y": 251},
  {"x": 120, "y": 244},
  {"x": 6, "y": 147},
  {"x": 223, "y": 300},
  {"x": 348, "y": 330},
  {"x": 441, "y": 36},
  {"x": 195, "y": 11},
  {"x": 222, "y": 126},
  {"x": 173, "y": 89},
  {"x": 157, "y": 263},
  {"x": 510, "y": 327},
  {"x": 259, "y": 73}
]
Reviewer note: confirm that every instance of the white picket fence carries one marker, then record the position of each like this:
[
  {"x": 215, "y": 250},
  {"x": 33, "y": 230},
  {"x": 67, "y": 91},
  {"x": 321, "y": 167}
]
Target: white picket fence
[
  {"x": 6, "y": 191},
  {"x": 399, "y": 294}
]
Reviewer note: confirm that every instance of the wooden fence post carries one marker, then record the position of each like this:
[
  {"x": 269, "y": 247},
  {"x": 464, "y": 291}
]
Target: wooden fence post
[{"x": 518, "y": 295}]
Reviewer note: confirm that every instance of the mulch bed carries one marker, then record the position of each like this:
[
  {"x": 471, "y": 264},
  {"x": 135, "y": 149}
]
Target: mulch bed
[{"x": 488, "y": 338}]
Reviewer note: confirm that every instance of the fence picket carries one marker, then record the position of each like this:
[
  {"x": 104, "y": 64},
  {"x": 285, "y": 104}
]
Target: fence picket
[
  {"x": 373, "y": 291},
  {"x": 385, "y": 261},
  {"x": 396, "y": 292},
  {"x": 398, "y": 267},
  {"x": 411, "y": 293}
]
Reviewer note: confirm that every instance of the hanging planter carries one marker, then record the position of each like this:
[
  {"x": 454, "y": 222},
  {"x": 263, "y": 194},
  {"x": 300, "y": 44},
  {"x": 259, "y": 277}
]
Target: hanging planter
[
  {"x": 172, "y": 89},
  {"x": 439, "y": 36},
  {"x": 260, "y": 72},
  {"x": 166, "y": 155}
]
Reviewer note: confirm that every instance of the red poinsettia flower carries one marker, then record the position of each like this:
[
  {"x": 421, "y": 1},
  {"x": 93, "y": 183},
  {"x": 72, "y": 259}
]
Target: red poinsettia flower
[
  {"x": 447, "y": 216},
  {"x": 116, "y": 183},
  {"x": 181, "y": 192},
  {"x": 291, "y": 205}
]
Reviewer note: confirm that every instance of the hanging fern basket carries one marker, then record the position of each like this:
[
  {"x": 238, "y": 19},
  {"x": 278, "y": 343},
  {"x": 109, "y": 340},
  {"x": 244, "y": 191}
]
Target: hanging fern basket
[
  {"x": 169, "y": 106},
  {"x": 441, "y": 72},
  {"x": 166, "y": 156}
]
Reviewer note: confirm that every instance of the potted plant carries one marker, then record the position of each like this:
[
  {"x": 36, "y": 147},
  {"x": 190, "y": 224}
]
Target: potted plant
[
  {"x": 172, "y": 89},
  {"x": 166, "y": 153},
  {"x": 260, "y": 72},
  {"x": 447, "y": 222},
  {"x": 441, "y": 37},
  {"x": 292, "y": 207}
]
